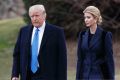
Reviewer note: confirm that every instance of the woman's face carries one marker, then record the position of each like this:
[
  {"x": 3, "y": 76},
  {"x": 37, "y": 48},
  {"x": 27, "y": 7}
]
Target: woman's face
[{"x": 89, "y": 19}]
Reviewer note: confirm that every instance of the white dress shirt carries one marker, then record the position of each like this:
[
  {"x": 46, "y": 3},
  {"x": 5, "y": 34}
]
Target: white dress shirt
[{"x": 41, "y": 32}]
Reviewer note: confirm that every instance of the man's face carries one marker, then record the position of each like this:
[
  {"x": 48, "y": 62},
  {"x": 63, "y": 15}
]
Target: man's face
[{"x": 37, "y": 18}]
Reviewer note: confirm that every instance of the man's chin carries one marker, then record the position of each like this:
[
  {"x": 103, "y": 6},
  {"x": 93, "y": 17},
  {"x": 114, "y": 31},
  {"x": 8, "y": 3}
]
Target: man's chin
[{"x": 36, "y": 25}]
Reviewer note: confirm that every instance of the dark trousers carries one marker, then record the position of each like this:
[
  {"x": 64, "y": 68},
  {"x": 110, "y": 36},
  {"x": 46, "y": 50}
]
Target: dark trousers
[{"x": 34, "y": 76}]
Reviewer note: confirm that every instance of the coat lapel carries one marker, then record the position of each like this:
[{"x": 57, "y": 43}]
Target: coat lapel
[
  {"x": 96, "y": 37},
  {"x": 85, "y": 39},
  {"x": 28, "y": 43},
  {"x": 29, "y": 35},
  {"x": 45, "y": 35}
]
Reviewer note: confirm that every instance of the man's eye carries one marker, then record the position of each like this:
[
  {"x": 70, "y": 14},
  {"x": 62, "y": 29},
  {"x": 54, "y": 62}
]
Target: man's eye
[{"x": 31, "y": 16}]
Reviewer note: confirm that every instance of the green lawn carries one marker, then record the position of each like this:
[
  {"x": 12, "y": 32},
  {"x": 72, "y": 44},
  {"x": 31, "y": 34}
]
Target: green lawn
[{"x": 8, "y": 32}]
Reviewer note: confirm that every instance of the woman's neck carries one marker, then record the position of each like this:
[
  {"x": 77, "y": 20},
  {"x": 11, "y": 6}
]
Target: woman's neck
[{"x": 93, "y": 29}]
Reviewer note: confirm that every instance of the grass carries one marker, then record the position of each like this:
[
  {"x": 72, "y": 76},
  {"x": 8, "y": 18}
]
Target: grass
[
  {"x": 8, "y": 35},
  {"x": 8, "y": 32}
]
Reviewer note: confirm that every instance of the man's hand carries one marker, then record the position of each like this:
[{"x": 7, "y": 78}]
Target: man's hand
[{"x": 15, "y": 78}]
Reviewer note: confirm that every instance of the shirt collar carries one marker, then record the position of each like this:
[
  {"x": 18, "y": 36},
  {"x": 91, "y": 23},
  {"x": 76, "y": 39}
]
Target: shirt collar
[{"x": 41, "y": 27}]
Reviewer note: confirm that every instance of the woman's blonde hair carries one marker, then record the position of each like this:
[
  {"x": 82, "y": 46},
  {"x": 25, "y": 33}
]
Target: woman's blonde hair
[{"x": 95, "y": 12}]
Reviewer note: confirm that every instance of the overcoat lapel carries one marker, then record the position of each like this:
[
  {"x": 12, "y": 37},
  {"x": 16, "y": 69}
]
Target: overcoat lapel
[
  {"x": 29, "y": 35},
  {"x": 45, "y": 35},
  {"x": 28, "y": 43},
  {"x": 95, "y": 37},
  {"x": 85, "y": 39}
]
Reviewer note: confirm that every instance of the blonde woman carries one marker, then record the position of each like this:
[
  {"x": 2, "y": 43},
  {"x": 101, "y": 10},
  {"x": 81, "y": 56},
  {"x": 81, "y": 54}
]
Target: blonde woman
[{"x": 95, "y": 54}]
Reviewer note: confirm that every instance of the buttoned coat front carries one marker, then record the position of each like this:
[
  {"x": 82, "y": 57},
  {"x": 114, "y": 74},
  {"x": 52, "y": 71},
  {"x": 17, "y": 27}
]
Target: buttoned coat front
[
  {"x": 52, "y": 54},
  {"x": 95, "y": 61}
]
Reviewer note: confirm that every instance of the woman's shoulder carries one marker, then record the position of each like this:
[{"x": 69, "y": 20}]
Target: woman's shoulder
[
  {"x": 83, "y": 31},
  {"x": 106, "y": 34}
]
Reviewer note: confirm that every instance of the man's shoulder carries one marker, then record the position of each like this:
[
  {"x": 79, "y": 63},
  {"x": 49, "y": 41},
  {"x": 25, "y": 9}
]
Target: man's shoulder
[
  {"x": 26, "y": 27},
  {"x": 53, "y": 27}
]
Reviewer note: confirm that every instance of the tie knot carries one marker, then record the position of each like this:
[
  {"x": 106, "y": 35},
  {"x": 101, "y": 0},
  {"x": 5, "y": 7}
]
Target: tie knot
[{"x": 37, "y": 29}]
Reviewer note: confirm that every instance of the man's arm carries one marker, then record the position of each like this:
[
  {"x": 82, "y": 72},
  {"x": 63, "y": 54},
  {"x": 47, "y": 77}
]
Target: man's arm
[
  {"x": 62, "y": 57},
  {"x": 16, "y": 59}
]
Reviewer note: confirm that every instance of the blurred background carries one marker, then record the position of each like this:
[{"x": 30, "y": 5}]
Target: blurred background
[{"x": 64, "y": 13}]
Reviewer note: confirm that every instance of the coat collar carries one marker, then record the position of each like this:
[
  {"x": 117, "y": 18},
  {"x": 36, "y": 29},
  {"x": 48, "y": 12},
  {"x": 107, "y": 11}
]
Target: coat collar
[
  {"x": 28, "y": 36},
  {"x": 94, "y": 39},
  {"x": 45, "y": 35}
]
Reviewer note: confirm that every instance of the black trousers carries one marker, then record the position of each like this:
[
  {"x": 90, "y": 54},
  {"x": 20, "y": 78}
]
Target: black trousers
[{"x": 34, "y": 76}]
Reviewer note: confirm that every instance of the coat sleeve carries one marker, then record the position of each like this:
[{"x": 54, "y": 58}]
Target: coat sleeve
[
  {"x": 79, "y": 58},
  {"x": 16, "y": 58},
  {"x": 62, "y": 57},
  {"x": 109, "y": 57}
]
